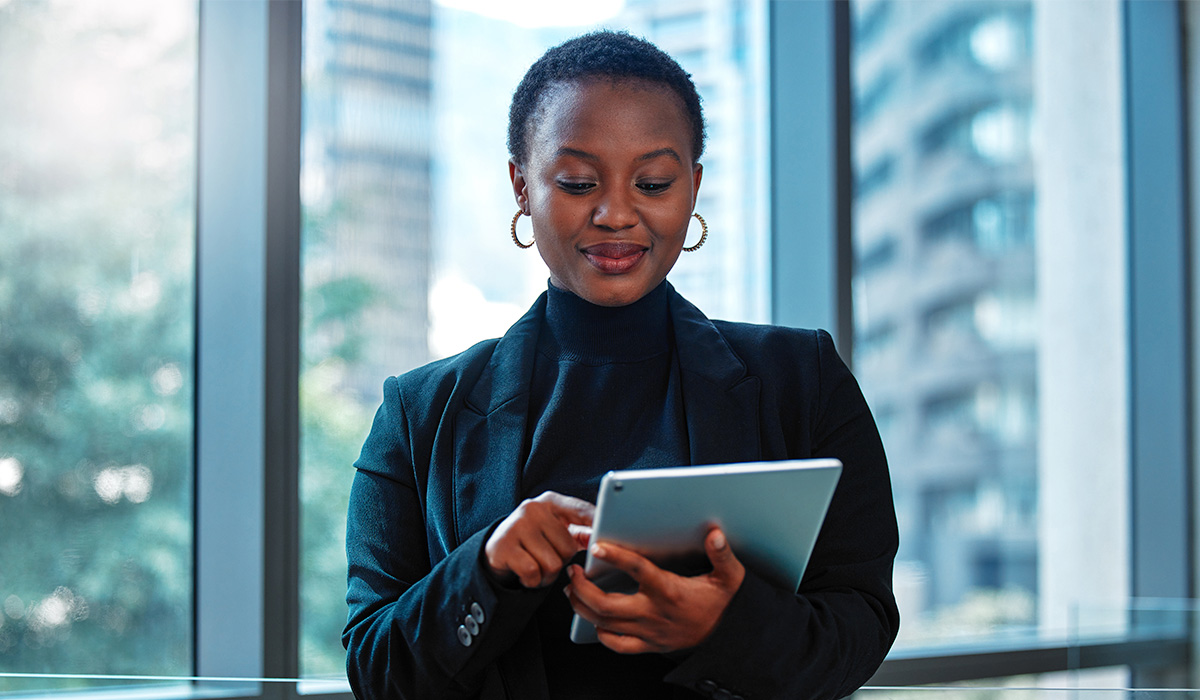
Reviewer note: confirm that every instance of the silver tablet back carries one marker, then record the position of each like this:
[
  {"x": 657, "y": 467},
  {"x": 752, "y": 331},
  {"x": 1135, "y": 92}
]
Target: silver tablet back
[{"x": 770, "y": 511}]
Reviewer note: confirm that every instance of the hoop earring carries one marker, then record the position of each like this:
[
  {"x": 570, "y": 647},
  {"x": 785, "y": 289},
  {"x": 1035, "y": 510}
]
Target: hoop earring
[
  {"x": 513, "y": 230},
  {"x": 703, "y": 234}
]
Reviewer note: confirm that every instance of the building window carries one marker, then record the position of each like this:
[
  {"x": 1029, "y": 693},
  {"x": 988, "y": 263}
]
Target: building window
[
  {"x": 874, "y": 97},
  {"x": 993, "y": 224},
  {"x": 998, "y": 133},
  {"x": 996, "y": 40},
  {"x": 870, "y": 22},
  {"x": 875, "y": 178}
]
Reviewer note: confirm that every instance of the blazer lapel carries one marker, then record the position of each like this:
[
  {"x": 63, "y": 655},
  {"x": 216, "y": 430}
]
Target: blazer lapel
[
  {"x": 489, "y": 433},
  {"x": 721, "y": 405},
  {"x": 720, "y": 400}
]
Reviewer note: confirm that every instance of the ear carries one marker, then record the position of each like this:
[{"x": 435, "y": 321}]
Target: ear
[
  {"x": 697, "y": 174},
  {"x": 517, "y": 175}
]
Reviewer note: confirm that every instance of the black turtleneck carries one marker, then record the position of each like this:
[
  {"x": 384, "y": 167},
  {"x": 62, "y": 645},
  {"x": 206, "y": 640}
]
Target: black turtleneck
[{"x": 605, "y": 395}]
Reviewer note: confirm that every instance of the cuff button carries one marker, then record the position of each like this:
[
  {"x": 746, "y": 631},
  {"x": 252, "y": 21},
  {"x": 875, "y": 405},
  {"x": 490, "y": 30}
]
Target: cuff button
[
  {"x": 707, "y": 687},
  {"x": 471, "y": 625},
  {"x": 477, "y": 612},
  {"x": 464, "y": 636}
]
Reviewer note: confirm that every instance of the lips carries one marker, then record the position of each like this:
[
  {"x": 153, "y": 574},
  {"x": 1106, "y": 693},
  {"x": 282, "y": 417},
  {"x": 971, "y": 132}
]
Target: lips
[{"x": 614, "y": 258}]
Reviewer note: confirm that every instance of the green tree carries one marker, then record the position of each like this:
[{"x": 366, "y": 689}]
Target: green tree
[
  {"x": 333, "y": 425},
  {"x": 96, "y": 303}
]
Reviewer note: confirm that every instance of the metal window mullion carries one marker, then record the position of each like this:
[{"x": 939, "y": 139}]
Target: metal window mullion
[
  {"x": 281, "y": 562},
  {"x": 230, "y": 340},
  {"x": 1159, "y": 304},
  {"x": 810, "y": 166}
]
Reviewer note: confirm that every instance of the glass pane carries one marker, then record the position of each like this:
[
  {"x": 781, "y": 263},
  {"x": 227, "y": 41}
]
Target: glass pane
[
  {"x": 989, "y": 303},
  {"x": 97, "y": 210},
  {"x": 407, "y": 203}
]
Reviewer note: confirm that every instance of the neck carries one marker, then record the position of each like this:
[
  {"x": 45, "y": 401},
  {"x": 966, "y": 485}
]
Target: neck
[{"x": 582, "y": 330}]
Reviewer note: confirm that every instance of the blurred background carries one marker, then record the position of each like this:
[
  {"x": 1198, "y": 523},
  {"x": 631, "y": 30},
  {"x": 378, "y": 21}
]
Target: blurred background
[{"x": 990, "y": 279}]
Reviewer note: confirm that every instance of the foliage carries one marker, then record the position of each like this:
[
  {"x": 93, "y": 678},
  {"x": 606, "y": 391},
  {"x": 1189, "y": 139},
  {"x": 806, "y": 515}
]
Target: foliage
[
  {"x": 97, "y": 206},
  {"x": 332, "y": 430},
  {"x": 96, "y": 238}
]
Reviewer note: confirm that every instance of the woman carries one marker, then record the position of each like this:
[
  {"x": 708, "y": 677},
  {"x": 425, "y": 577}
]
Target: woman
[{"x": 473, "y": 492}]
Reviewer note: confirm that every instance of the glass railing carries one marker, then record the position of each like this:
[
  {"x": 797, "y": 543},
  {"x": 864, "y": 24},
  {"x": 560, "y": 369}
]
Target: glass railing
[
  {"x": 168, "y": 688},
  {"x": 1149, "y": 640},
  {"x": 1023, "y": 693},
  {"x": 147, "y": 687},
  {"x": 1143, "y": 650}
]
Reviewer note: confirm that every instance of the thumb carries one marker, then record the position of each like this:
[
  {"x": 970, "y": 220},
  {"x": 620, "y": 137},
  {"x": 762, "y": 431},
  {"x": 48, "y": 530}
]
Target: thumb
[{"x": 725, "y": 563}]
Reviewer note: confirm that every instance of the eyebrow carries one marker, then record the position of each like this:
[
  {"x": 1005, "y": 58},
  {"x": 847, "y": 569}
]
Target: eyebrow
[{"x": 669, "y": 152}]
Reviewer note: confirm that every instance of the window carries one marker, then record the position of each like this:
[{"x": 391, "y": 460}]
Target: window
[
  {"x": 406, "y": 200},
  {"x": 994, "y": 224},
  {"x": 1054, "y": 417},
  {"x": 879, "y": 256},
  {"x": 995, "y": 40},
  {"x": 988, "y": 433},
  {"x": 870, "y": 21},
  {"x": 97, "y": 210},
  {"x": 875, "y": 177},
  {"x": 998, "y": 133},
  {"x": 874, "y": 97}
]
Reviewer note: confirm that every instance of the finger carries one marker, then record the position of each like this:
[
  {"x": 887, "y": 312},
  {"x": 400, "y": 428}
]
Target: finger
[
  {"x": 639, "y": 568},
  {"x": 595, "y": 605},
  {"x": 533, "y": 555},
  {"x": 581, "y": 533},
  {"x": 540, "y": 519},
  {"x": 726, "y": 566},
  {"x": 551, "y": 553},
  {"x": 624, "y": 644},
  {"x": 570, "y": 509},
  {"x": 526, "y": 568},
  {"x": 581, "y": 608},
  {"x": 561, "y": 539}
]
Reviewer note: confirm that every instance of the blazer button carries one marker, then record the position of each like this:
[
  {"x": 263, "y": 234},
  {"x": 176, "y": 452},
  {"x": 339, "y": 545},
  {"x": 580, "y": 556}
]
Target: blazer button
[
  {"x": 471, "y": 625},
  {"x": 477, "y": 612},
  {"x": 464, "y": 636},
  {"x": 707, "y": 687}
]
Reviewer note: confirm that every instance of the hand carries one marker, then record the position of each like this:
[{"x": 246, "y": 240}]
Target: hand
[
  {"x": 537, "y": 538},
  {"x": 669, "y": 611}
]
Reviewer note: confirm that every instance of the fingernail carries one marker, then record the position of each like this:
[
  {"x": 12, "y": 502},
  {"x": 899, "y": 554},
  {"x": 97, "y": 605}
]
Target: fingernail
[
  {"x": 719, "y": 541},
  {"x": 598, "y": 551}
]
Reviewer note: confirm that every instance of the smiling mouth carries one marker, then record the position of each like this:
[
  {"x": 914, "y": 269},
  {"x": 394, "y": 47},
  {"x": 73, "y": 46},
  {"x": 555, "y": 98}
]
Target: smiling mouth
[{"x": 614, "y": 258}]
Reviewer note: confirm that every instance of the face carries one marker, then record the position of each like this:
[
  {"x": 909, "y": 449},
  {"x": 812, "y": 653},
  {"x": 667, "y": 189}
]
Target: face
[{"x": 610, "y": 185}]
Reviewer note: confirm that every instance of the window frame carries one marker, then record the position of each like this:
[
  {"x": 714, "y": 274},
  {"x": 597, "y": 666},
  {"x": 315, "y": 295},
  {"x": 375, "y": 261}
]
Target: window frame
[
  {"x": 247, "y": 602},
  {"x": 812, "y": 259},
  {"x": 247, "y": 607}
]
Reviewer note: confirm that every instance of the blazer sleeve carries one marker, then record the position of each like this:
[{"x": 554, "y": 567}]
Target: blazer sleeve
[
  {"x": 407, "y": 635},
  {"x": 826, "y": 639}
]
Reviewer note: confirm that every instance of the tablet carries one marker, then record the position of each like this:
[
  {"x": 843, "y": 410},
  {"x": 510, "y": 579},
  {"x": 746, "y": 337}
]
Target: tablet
[{"x": 771, "y": 513}]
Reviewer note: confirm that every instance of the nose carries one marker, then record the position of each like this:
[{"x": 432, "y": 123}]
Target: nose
[{"x": 615, "y": 211}]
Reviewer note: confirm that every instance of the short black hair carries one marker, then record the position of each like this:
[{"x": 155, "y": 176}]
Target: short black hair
[{"x": 602, "y": 54}]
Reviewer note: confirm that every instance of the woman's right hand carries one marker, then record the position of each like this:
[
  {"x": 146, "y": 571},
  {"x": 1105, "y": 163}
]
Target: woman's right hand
[{"x": 535, "y": 541}]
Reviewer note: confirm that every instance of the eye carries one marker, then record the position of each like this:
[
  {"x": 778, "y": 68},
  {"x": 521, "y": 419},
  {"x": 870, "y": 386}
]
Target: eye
[
  {"x": 654, "y": 186},
  {"x": 575, "y": 187}
]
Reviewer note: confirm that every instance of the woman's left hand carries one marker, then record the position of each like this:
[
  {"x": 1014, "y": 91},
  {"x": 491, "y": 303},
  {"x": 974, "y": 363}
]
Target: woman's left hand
[{"x": 668, "y": 612}]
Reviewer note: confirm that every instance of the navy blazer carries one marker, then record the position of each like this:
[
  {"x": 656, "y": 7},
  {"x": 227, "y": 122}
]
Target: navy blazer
[{"x": 441, "y": 468}]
